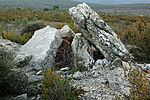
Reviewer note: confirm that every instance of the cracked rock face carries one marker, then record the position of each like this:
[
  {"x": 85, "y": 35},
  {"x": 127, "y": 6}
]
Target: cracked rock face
[
  {"x": 98, "y": 33},
  {"x": 82, "y": 50}
]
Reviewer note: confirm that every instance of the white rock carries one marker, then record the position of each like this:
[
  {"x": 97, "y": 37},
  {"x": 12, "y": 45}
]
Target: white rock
[
  {"x": 43, "y": 47},
  {"x": 65, "y": 69},
  {"x": 98, "y": 33},
  {"x": 82, "y": 50},
  {"x": 77, "y": 75},
  {"x": 66, "y": 31}
]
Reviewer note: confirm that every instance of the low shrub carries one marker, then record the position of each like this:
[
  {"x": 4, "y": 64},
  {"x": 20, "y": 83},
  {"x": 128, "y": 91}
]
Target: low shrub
[
  {"x": 31, "y": 27},
  {"x": 16, "y": 37},
  {"x": 59, "y": 25},
  {"x": 56, "y": 87},
  {"x": 140, "y": 85},
  {"x": 138, "y": 34},
  {"x": 11, "y": 82}
]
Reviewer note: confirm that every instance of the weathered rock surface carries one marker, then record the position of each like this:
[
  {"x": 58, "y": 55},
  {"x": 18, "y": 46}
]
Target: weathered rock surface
[
  {"x": 96, "y": 31},
  {"x": 103, "y": 83},
  {"x": 67, "y": 33},
  {"x": 22, "y": 59},
  {"x": 43, "y": 47},
  {"x": 82, "y": 50},
  {"x": 8, "y": 45}
]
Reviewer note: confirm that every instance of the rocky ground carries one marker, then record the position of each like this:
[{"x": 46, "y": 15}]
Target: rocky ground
[{"x": 100, "y": 51}]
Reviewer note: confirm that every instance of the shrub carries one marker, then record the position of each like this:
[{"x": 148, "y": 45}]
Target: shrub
[
  {"x": 140, "y": 85},
  {"x": 32, "y": 27},
  {"x": 15, "y": 37},
  {"x": 11, "y": 82},
  {"x": 59, "y": 25},
  {"x": 56, "y": 87},
  {"x": 139, "y": 35},
  {"x": 74, "y": 28},
  {"x": 55, "y": 8}
]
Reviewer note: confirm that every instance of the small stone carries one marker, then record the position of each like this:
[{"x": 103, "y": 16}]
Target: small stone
[
  {"x": 77, "y": 75},
  {"x": 65, "y": 69},
  {"x": 39, "y": 72},
  {"x": 34, "y": 78},
  {"x": 86, "y": 89}
]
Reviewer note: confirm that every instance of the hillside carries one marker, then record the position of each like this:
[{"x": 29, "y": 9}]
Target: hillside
[
  {"x": 131, "y": 9},
  {"x": 115, "y": 1},
  {"x": 36, "y": 4}
]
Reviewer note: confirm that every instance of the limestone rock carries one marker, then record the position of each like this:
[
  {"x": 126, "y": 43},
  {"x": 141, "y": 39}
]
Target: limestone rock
[
  {"x": 43, "y": 47},
  {"x": 82, "y": 50},
  {"x": 67, "y": 33},
  {"x": 96, "y": 31},
  {"x": 8, "y": 45},
  {"x": 22, "y": 59},
  {"x": 77, "y": 75}
]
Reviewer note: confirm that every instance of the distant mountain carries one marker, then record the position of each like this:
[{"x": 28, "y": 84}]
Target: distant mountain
[
  {"x": 37, "y": 4},
  {"x": 115, "y": 1},
  {"x": 134, "y": 9}
]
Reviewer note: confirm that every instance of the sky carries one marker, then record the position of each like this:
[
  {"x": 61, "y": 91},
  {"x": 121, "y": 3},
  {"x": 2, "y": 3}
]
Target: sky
[{"x": 115, "y": 1}]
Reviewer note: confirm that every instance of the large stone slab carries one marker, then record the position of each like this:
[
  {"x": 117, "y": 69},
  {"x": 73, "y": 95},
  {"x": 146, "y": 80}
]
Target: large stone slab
[
  {"x": 82, "y": 51},
  {"x": 96, "y": 31},
  {"x": 43, "y": 47}
]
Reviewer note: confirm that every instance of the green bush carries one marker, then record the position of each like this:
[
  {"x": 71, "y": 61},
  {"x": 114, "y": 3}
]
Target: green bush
[
  {"x": 56, "y": 87},
  {"x": 31, "y": 27},
  {"x": 15, "y": 37},
  {"x": 11, "y": 82}
]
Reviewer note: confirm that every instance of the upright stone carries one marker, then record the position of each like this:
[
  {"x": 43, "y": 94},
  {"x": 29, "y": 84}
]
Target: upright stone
[
  {"x": 82, "y": 51},
  {"x": 43, "y": 47},
  {"x": 96, "y": 31}
]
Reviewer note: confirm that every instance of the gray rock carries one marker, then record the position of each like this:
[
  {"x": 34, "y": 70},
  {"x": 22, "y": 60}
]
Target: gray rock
[
  {"x": 43, "y": 47},
  {"x": 22, "y": 59},
  {"x": 82, "y": 50},
  {"x": 34, "y": 78},
  {"x": 8, "y": 45},
  {"x": 77, "y": 75},
  {"x": 67, "y": 33},
  {"x": 98, "y": 33}
]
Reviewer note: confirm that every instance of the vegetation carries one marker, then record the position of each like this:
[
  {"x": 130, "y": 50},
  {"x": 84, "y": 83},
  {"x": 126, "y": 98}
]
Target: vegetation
[
  {"x": 139, "y": 35},
  {"x": 31, "y": 27},
  {"x": 56, "y": 87},
  {"x": 9, "y": 79},
  {"x": 15, "y": 37},
  {"x": 140, "y": 85}
]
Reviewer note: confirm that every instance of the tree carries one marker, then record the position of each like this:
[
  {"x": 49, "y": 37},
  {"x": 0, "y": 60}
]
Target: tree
[{"x": 55, "y": 8}]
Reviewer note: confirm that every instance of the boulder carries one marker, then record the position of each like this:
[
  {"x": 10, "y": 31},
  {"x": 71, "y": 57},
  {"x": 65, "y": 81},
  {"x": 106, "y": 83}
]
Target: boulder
[
  {"x": 43, "y": 47},
  {"x": 77, "y": 75},
  {"x": 8, "y": 45},
  {"x": 22, "y": 59},
  {"x": 82, "y": 50},
  {"x": 67, "y": 33},
  {"x": 98, "y": 33}
]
